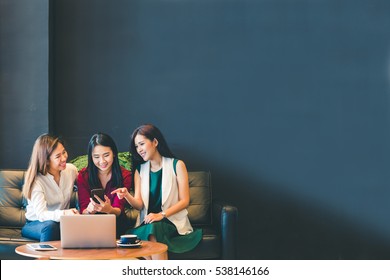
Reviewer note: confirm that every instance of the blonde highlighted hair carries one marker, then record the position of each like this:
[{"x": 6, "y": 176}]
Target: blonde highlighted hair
[{"x": 39, "y": 161}]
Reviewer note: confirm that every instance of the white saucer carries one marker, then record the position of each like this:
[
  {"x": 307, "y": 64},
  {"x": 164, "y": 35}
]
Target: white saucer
[{"x": 129, "y": 245}]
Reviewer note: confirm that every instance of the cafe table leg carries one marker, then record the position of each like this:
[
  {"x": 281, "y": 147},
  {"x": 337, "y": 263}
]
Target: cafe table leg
[{"x": 162, "y": 256}]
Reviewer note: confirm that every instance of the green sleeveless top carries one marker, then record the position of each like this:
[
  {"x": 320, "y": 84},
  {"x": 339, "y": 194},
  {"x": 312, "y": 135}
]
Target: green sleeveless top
[
  {"x": 155, "y": 186},
  {"x": 164, "y": 230}
]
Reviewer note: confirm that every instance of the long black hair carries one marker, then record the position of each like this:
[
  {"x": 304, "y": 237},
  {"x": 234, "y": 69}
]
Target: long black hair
[
  {"x": 150, "y": 132},
  {"x": 116, "y": 173}
]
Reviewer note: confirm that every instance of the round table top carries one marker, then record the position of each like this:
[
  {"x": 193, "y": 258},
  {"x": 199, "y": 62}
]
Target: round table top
[{"x": 146, "y": 249}]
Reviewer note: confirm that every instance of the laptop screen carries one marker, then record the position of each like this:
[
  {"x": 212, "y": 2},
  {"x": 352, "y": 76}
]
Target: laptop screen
[{"x": 88, "y": 231}]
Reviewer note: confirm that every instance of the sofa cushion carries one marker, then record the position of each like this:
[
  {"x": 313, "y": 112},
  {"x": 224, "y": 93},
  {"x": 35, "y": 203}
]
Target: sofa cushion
[
  {"x": 12, "y": 235},
  {"x": 12, "y": 203},
  {"x": 199, "y": 209}
]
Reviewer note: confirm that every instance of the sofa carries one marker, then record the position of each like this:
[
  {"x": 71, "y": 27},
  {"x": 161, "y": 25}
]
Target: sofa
[{"x": 218, "y": 220}]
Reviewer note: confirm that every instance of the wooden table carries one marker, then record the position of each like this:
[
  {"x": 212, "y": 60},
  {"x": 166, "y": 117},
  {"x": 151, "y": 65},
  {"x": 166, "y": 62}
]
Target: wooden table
[{"x": 147, "y": 249}]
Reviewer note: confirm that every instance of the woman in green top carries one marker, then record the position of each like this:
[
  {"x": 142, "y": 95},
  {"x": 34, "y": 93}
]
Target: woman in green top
[{"x": 161, "y": 192}]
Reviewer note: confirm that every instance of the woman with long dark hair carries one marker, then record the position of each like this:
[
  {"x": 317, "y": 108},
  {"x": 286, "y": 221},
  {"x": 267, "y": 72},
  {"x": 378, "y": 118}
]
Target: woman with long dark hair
[
  {"x": 103, "y": 172},
  {"x": 161, "y": 192}
]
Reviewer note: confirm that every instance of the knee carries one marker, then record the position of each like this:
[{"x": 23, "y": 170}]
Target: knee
[
  {"x": 51, "y": 231},
  {"x": 28, "y": 232}
]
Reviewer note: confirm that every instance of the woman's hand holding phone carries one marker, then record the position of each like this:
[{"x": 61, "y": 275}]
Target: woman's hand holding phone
[
  {"x": 97, "y": 194},
  {"x": 99, "y": 202}
]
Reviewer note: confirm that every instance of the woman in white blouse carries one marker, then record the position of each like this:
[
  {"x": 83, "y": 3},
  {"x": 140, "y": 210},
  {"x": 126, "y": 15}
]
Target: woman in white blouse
[{"x": 48, "y": 188}]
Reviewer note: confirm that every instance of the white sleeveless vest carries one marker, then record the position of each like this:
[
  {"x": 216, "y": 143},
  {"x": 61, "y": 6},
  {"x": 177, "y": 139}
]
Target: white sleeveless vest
[{"x": 169, "y": 193}]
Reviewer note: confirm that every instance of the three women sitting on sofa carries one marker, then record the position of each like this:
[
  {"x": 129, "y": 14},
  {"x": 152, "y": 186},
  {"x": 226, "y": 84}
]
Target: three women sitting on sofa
[{"x": 161, "y": 189}]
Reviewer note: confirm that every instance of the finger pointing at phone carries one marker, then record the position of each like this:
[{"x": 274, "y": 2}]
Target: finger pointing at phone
[{"x": 120, "y": 192}]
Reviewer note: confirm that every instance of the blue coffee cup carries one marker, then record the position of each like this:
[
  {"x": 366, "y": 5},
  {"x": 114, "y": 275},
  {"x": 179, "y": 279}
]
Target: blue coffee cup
[{"x": 129, "y": 239}]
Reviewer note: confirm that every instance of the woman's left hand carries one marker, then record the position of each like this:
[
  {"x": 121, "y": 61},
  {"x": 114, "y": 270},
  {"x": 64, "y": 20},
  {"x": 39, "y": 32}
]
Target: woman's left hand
[{"x": 153, "y": 217}]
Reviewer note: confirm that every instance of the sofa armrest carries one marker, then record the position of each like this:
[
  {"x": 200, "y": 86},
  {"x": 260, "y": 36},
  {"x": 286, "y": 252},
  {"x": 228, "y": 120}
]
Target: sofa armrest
[{"x": 225, "y": 219}]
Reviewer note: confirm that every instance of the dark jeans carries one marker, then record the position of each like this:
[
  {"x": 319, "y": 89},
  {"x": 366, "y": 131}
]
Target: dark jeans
[{"x": 42, "y": 231}]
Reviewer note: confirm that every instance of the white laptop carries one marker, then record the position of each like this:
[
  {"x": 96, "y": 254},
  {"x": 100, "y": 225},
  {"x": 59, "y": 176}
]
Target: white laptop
[{"x": 88, "y": 231}]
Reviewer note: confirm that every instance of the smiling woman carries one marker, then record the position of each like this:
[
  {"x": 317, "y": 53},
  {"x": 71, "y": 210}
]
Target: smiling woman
[
  {"x": 48, "y": 188},
  {"x": 161, "y": 192},
  {"x": 103, "y": 172}
]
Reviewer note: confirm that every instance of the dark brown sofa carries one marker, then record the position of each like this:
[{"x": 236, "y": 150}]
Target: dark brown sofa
[{"x": 218, "y": 220}]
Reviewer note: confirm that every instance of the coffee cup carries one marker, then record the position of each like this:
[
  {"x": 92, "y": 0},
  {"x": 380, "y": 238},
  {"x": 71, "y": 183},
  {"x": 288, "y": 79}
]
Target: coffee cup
[{"x": 129, "y": 239}]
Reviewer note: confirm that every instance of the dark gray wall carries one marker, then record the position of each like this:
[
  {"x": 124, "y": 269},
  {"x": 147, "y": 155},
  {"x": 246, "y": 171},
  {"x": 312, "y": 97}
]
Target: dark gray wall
[
  {"x": 285, "y": 102},
  {"x": 24, "y": 78}
]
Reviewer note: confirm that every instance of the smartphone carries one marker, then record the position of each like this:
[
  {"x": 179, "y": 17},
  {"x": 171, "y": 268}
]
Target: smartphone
[
  {"x": 99, "y": 193},
  {"x": 41, "y": 247}
]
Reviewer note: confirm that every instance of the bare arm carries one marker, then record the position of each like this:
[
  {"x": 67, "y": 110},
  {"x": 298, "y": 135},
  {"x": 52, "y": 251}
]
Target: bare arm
[{"x": 136, "y": 200}]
